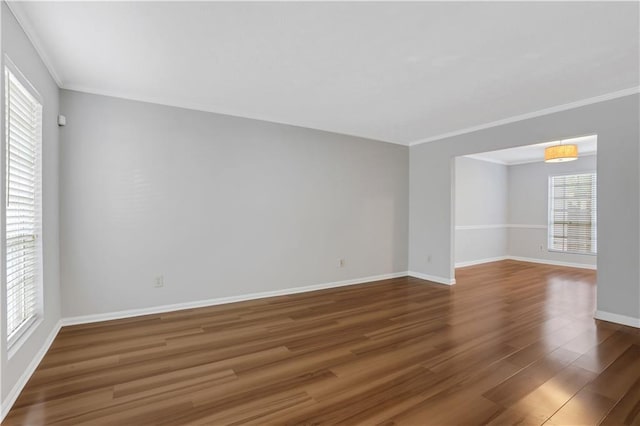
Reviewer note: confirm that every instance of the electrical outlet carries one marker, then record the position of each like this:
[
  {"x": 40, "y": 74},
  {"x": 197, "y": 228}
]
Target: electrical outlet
[
  {"x": 159, "y": 282},
  {"x": 340, "y": 263},
  {"x": 429, "y": 259}
]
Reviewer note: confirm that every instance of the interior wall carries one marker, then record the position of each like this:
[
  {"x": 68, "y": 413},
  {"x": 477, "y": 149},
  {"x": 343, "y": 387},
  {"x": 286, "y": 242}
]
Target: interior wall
[
  {"x": 616, "y": 122},
  {"x": 502, "y": 211},
  {"x": 480, "y": 211},
  {"x": 528, "y": 200},
  {"x": 220, "y": 206},
  {"x": 19, "y": 49}
]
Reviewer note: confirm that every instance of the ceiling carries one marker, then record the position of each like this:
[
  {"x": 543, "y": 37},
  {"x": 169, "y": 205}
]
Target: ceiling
[
  {"x": 398, "y": 72},
  {"x": 587, "y": 145}
]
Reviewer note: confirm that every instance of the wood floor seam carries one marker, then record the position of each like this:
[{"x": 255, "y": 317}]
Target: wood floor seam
[{"x": 511, "y": 343}]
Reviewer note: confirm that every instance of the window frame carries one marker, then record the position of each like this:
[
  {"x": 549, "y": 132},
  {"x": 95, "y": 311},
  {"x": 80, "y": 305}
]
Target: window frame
[
  {"x": 22, "y": 333},
  {"x": 550, "y": 213}
]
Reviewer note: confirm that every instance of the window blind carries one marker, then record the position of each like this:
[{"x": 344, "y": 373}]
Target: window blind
[
  {"x": 23, "y": 127},
  {"x": 572, "y": 213}
]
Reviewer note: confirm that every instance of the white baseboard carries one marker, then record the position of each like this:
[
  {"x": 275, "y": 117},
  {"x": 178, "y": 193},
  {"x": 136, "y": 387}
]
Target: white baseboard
[
  {"x": 86, "y": 319},
  {"x": 8, "y": 402},
  {"x": 26, "y": 375},
  {"x": 480, "y": 261},
  {"x": 433, "y": 278},
  {"x": 618, "y": 319},
  {"x": 553, "y": 262},
  {"x": 525, "y": 259}
]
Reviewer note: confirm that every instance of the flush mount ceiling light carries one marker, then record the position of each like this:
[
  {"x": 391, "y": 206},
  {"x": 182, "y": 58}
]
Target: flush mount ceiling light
[{"x": 560, "y": 153}]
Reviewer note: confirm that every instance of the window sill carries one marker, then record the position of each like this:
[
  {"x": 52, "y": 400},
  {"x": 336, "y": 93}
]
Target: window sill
[
  {"x": 572, "y": 252},
  {"x": 23, "y": 335}
]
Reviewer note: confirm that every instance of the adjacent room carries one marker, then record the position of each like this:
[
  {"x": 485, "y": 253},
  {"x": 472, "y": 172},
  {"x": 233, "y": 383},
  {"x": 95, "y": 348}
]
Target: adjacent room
[
  {"x": 528, "y": 204},
  {"x": 399, "y": 213}
]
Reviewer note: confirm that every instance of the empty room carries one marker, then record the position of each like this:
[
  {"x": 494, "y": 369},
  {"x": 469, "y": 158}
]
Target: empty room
[{"x": 394, "y": 213}]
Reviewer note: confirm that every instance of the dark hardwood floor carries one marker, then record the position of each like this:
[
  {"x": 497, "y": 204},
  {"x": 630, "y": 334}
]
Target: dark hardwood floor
[{"x": 511, "y": 343}]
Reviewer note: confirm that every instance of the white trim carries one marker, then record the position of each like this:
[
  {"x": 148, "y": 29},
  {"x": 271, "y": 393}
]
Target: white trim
[
  {"x": 472, "y": 227},
  {"x": 617, "y": 318},
  {"x": 526, "y": 226},
  {"x": 502, "y": 225},
  {"x": 480, "y": 261},
  {"x": 213, "y": 109},
  {"x": 432, "y": 278},
  {"x": 167, "y": 101},
  {"x": 85, "y": 319},
  {"x": 553, "y": 262},
  {"x": 16, "y": 9},
  {"x": 581, "y": 155},
  {"x": 23, "y": 333},
  {"x": 546, "y": 111},
  {"x": 22, "y": 79},
  {"x": 479, "y": 157},
  {"x": 8, "y": 402},
  {"x": 26, "y": 375},
  {"x": 524, "y": 259}
]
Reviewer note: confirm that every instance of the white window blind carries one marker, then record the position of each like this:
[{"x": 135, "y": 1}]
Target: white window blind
[
  {"x": 23, "y": 127},
  {"x": 572, "y": 213}
]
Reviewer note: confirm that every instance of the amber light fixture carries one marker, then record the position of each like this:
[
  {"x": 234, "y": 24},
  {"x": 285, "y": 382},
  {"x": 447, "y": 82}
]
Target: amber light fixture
[{"x": 560, "y": 153}]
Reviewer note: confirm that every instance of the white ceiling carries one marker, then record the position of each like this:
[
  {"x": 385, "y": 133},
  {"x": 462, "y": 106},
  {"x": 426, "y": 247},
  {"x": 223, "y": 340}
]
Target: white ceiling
[
  {"x": 398, "y": 72},
  {"x": 587, "y": 145}
]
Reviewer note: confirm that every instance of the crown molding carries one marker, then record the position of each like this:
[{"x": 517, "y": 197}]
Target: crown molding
[
  {"x": 16, "y": 8},
  {"x": 478, "y": 157},
  {"x": 18, "y": 12},
  {"x": 546, "y": 111},
  {"x": 205, "y": 108},
  {"x": 194, "y": 106},
  {"x": 520, "y": 163}
]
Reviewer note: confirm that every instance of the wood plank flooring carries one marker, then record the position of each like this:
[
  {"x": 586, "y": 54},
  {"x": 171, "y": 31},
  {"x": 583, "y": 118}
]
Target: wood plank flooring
[{"x": 511, "y": 343}]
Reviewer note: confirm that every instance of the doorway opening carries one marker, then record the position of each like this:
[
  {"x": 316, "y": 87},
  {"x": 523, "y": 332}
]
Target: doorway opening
[{"x": 511, "y": 204}]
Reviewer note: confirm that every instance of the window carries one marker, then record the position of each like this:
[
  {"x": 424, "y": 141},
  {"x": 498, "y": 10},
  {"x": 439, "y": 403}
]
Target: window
[
  {"x": 23, "y": 133},
  {"x": 572, "y": 213}
]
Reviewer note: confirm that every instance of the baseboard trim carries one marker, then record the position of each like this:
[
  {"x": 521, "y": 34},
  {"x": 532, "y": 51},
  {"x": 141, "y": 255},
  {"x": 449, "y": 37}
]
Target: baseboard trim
[
  {"x": 525, "y": 259},
  {"x": 553, "y": 262},
  {"x": 617, "y": 318},
  {"x": 11, "y": 398},
  {"x": 87, "y": 319},
  {"x": 432, "y": 278},
  {"x": 480, "y": 261}
]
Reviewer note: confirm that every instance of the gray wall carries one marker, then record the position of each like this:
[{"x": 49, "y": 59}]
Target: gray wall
[
  {"x": 528, "y": 202},
  {"x": 17, "y": 46},
  {"x": 616, "y": 122},
  {"x": 480, "y": 210},
  {"x": 502, "y": 211},
  {"x": 221, "y": 206}
]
